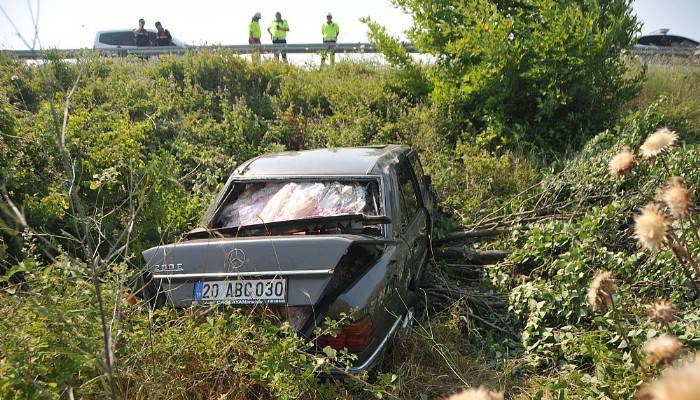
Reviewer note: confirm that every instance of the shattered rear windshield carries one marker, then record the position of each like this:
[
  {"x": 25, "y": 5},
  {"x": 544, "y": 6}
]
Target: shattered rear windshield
[{"x": 267, "y": 202}]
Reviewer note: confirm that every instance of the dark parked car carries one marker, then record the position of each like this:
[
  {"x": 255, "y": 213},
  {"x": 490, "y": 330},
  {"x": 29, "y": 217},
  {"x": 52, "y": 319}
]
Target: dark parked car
[
  {"x": 661, "y": 38},
  {"x": 125, "y": 39},
  {"x": 311, "y": 234}
]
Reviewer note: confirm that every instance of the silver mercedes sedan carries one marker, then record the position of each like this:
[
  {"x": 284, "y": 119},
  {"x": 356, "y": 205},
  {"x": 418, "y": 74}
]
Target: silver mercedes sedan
[{"x": 309, "y": 235}]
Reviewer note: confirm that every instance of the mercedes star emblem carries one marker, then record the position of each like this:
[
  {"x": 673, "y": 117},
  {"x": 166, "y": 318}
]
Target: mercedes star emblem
[{"x": 236, "y": 258}]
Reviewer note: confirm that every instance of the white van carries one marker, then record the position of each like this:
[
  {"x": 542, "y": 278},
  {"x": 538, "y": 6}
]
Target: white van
[{"x": 125, "y": 39}]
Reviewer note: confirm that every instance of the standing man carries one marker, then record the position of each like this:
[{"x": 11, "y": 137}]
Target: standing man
[
  {"x": 254, "y": 35},
  {"x": 163, "y": 36},
  {"x": 330, "y": 31},
  {"x": 278, "y": 32},
  {"x": 141, "y": 34}
]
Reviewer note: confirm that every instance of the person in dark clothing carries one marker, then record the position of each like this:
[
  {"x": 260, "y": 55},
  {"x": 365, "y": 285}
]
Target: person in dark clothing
[
  {"x": 163, "y": 37},
  {"x": 141, "y": 34}
]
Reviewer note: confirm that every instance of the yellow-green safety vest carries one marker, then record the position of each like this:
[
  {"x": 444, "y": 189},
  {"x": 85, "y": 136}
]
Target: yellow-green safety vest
[
  {"x": 276, "y": 28},
  {"x": 254, "y": 29},
  {"x": 330, "y": 31}
]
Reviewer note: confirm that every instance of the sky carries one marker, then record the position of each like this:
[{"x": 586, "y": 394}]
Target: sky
[{"x": 73, "y": 23}]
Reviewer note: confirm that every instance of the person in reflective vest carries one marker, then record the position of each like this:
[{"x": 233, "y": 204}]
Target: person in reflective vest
[
  {"x": 163, "y": 36},
  {"x": 278, "y": 33},
  {"x": 141, "y": 34},
  {"x": 330, "y": 31},
  {"x": 254, "y": 35}
]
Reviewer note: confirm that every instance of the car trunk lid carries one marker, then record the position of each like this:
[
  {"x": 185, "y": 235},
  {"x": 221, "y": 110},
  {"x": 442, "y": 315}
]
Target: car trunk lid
[{"x": 314, "y": 266}]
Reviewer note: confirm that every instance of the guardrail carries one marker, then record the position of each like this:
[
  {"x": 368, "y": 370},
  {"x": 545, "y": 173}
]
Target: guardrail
[
  {"x": 291, "y": 48},
  {"x": 666, "y": 51},
  {"x": 666, "y": 55}
]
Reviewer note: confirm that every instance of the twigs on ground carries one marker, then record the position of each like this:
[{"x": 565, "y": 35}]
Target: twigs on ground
[
  {"x": 480, "y": 234},
  {"x": 446, "y": 283},
  {"x": 471, "y": 256},
  {"x": 455, "y": 272}
]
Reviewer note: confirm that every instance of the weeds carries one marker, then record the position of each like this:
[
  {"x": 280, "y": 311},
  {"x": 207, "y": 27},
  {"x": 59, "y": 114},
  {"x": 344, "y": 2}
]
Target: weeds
[
  {"x": 162, "y": 353},
  {"x": 150, "y": 152}
]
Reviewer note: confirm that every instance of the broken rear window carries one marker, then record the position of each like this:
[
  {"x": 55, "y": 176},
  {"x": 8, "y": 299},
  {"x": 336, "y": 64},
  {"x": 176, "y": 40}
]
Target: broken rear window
[{"x": 267, "y": 202}]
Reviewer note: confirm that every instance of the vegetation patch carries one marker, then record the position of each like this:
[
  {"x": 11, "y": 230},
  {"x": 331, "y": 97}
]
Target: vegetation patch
[{"x": 540, "y": 136}]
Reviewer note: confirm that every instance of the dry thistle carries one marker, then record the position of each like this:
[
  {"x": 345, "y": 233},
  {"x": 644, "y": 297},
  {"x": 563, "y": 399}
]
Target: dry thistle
[
  {"x": 477, "y": 394},
  {"x": 650, "y": 227},
  {"x": 678, "y": 198},
  {"x": 662, "y": 349},
  {"x": 621, "y": 163},
  {"x": 663, "y": 312},
  {"x": 657, "y": 143},
  {"x": 676, "y": 384},
  {"x": 130, "y": 299},
  {"x": 601, "y": 291}
]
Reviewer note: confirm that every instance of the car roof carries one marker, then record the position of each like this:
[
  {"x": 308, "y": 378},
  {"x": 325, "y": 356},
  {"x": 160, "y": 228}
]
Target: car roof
[
  {"x": 663, "y": 33},
  {"x": 123, "y": 30},
  {"x": 368, "y": 160}
]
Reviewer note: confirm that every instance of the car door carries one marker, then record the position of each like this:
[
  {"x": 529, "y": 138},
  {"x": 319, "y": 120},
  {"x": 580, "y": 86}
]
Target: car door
[
  {"x": 413, "y": 219},
  {"x": 152, "y": 38}
]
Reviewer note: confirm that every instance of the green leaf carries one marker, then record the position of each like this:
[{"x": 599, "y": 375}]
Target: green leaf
[{"x": 330, "y": 352}]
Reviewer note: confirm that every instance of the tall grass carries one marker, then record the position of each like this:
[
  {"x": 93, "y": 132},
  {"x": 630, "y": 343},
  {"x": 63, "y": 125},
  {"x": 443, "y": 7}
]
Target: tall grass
[{"x": 679, "y": 83}]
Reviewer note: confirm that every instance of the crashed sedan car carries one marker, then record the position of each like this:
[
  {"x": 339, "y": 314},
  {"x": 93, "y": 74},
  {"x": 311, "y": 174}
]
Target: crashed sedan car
[{"x": 311, "y": 234}]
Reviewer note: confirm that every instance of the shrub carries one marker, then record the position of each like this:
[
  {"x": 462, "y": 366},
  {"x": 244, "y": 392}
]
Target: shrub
[
  {"x": 559, "y": 259},
  {"x": 545, "y": 73},
  {"x": 51, "y": 345}
]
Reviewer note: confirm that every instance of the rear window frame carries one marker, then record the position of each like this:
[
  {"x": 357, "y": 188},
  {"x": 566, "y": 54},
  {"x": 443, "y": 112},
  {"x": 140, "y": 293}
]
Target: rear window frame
[{"x": 213, "y": 213}]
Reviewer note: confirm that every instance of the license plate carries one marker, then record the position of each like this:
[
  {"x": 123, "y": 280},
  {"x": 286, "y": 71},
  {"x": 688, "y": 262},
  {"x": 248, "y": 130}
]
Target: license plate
[{"x": 248, "y": 291}]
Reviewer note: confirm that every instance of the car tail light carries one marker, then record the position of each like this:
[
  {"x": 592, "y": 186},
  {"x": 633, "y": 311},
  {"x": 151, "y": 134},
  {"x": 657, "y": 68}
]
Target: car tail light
[{"x": 355, "y": 337}]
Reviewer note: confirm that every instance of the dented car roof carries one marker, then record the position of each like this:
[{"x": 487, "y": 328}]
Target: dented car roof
[{"x": 331, "y": 161}]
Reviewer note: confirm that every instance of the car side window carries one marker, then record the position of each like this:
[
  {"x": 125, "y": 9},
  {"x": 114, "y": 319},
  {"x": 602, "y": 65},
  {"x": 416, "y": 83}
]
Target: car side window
[
  {"x": 418, "y": 169},
  {"x": 408, "y": 195}
]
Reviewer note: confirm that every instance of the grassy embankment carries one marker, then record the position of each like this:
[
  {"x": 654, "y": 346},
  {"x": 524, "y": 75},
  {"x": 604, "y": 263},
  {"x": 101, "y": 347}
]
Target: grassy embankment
[{"x": 153, "y": 142}]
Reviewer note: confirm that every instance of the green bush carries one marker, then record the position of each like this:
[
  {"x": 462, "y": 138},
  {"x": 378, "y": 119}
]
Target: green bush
[
  {"x": 51, "y": 345},
  {"x": 180, "y": 125},
  {"x": 545, "y": 73}
]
